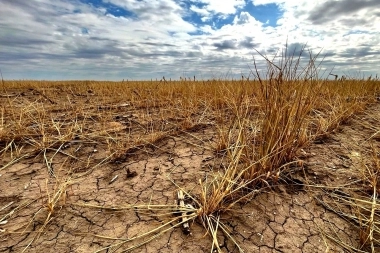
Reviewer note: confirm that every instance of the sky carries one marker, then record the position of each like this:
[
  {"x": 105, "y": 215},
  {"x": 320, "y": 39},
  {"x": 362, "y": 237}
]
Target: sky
[{"x": 144, "y": 39}]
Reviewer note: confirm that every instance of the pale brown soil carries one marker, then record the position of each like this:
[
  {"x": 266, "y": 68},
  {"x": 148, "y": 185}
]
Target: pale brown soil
[{"x": 284, "y": 218}]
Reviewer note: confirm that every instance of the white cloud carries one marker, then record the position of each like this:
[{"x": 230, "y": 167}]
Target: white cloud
[
  {"x": 200, "y": 11},
  {"x": 222, "y": 7},
  {"x": 245, "y": 18}
]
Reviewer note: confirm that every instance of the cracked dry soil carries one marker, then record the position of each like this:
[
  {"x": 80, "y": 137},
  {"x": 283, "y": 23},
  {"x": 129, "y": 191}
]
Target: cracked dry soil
[{"x": 287, "y": 218}]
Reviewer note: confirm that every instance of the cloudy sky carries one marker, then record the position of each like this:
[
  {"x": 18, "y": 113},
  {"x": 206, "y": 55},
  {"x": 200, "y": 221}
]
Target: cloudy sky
[{"x": 143, "y": 39}]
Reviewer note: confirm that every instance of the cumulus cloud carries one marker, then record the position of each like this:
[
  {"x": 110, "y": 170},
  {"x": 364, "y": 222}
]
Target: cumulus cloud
[{"x": 244, "y": 18}]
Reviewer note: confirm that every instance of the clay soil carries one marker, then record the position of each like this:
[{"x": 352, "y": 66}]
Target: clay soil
[{"x": 308, "y": 211}]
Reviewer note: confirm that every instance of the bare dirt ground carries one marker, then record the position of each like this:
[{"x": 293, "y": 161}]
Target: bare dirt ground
[{"x": 306, "y": 212}]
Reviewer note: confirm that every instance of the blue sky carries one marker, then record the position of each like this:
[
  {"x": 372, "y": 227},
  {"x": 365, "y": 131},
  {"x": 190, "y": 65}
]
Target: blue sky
[{"x": 144, "y": 39}]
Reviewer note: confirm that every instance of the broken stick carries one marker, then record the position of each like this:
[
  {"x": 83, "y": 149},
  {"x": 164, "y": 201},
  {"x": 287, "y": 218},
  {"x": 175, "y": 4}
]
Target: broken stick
[{"x": 184, "y": 219}]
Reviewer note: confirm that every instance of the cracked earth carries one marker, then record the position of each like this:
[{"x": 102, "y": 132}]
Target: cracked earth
[{"x": 291, "y": 217}]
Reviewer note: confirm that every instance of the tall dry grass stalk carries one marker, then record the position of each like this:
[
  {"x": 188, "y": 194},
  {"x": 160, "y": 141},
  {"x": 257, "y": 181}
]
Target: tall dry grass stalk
[{"x": 2, "y": 81}]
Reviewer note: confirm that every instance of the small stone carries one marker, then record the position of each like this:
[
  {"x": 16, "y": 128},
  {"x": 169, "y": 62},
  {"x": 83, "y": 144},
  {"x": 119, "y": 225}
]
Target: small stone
[{"x": 131, "y": 174}]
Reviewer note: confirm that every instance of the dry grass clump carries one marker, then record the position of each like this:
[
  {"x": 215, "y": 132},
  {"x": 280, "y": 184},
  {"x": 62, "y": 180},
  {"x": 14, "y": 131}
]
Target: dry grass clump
[
  {"x": 261, "y": 142},
  {"x": 288, "y": 95}
]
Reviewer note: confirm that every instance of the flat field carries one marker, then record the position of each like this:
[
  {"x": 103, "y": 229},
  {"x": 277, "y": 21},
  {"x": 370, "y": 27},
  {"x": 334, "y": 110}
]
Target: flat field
[{"x": 271, "y": 165}]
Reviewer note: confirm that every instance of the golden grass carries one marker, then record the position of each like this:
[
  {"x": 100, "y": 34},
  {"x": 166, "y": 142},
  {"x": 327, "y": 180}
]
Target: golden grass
[{"x": 262, "y": 124}]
